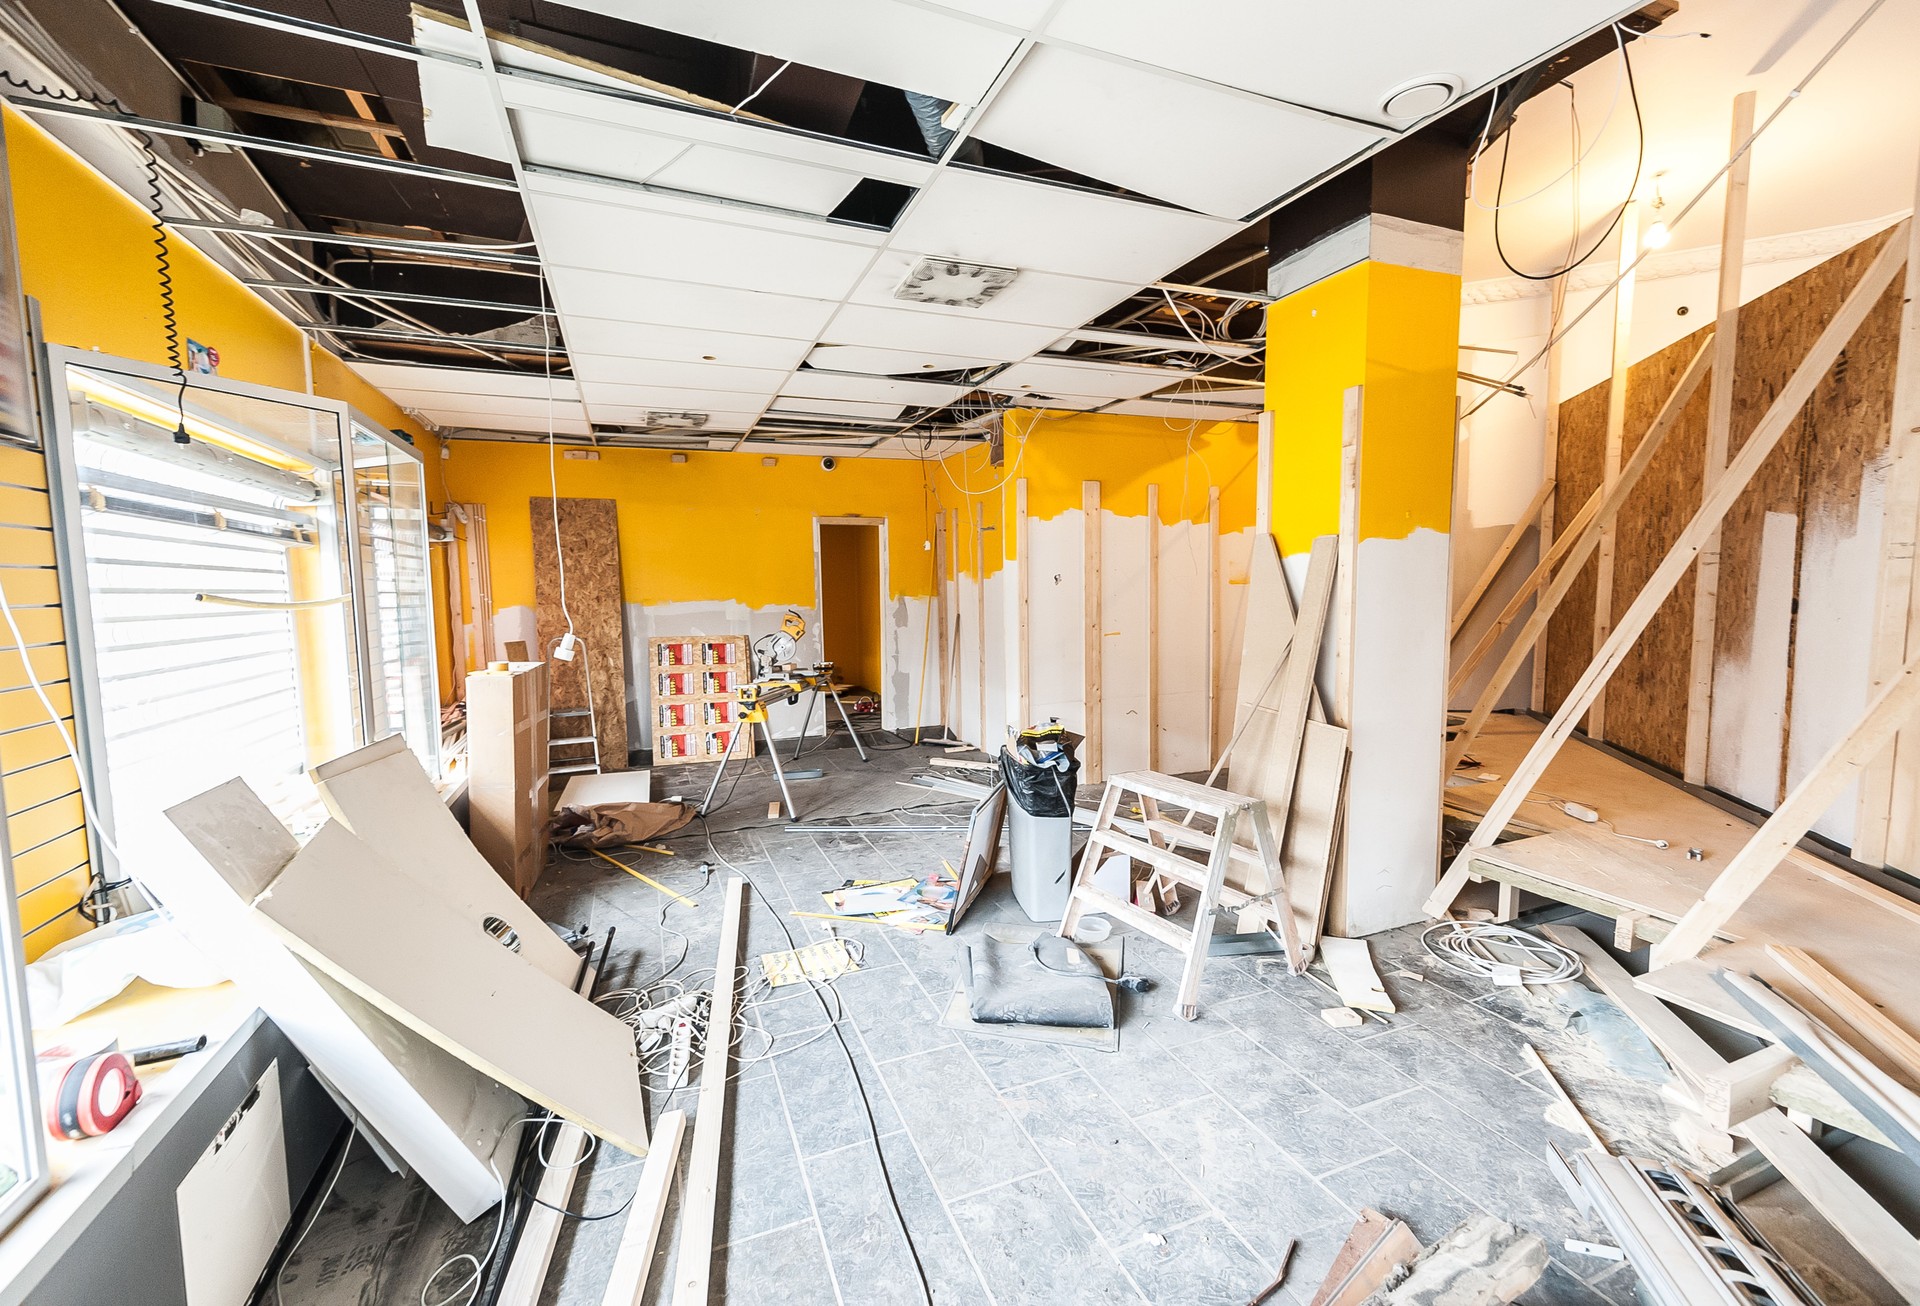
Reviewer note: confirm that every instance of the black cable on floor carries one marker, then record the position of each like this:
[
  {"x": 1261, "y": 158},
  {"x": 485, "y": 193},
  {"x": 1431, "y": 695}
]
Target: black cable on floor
[{"x": 866, "y": 1103}]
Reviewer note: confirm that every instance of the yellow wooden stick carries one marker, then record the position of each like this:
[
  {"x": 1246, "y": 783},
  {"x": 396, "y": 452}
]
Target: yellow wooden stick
[
  {"x": 862, "y": 920},
  {"x": 644, "y": 879}
]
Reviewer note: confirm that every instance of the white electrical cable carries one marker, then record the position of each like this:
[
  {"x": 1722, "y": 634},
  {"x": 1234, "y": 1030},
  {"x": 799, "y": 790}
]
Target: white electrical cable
[
  {"x": 1473, "y": 171},
  {"x": 479, "y": 1263},
  {"x": 1475, "y": 948},
  {"x": 319, "y": 1206},
  {"x": 761, "y": 87},
  {"x": 553, "y": 470}
]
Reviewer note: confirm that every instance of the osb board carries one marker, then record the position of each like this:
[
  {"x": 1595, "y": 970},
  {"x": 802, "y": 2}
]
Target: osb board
[
  {"x": 590, "y": 542},
  {"x": 1816, "y": 468},
  {"x": 1860, "y": 929}
]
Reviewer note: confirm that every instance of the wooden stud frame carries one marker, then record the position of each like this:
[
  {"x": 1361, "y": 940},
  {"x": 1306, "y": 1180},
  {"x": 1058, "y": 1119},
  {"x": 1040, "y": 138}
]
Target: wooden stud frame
[
  {"x": 1616, "y": 436},
  {"x": 1153, "y": 627},
  {"x": 1726, "y": 334},
  {"x": 693, "y": 1263},
  {"x": 1490, "y": 639},
  {"x": 1550, "y": 468},
  {"x": 1581, "y": 549},
  {"x": 1522, "y": 524},
  {"x": 1213, "y": 620},
  {"x": 1666, "y": 577},
  {"x": 1094, "y": 764},
  {"x": 1023, "y": 577}
]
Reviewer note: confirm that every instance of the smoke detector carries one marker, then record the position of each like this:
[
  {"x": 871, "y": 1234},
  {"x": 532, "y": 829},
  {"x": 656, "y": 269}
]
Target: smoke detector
[
  {"x": 953, "y": 283},
  {"x": 1417, "y": 99}
]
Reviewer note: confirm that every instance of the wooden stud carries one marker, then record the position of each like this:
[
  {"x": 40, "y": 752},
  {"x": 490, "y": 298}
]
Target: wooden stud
[
  {"x": 1521, "y": 525},
  {"x": 693, "y": 1262},
  {"x": 1566, "y": 1099},
  {"x": 1550, "y": 468},
  {"x": 1726, "y": 335},
  {"x": 1094, "y": 732},
  {"x": 1887, "y": 830},
  {"x": 1296, "y": 681},
  {"x": 1490, "y": 639},
  {"x": 1213, "y": 619},
  {"x": 1818, "y": 790},
  {"x": 1153, "y": 628},
  {"x": 1616, "y": 437},
  {"x": 1023, "y": 577},
  {"x": 1900, "y": 1048},
  {"x": 633, "y": 1258},
  {"x": 1263, "y": 476},
  {"x": 1740, "y": 472},
  {"x": 1352, "y": 419},
  {"x": 1579, "y": 551}
]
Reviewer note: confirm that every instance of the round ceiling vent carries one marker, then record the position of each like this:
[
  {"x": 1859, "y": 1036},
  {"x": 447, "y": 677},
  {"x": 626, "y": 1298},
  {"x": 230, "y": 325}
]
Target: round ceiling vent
[{"x": 1420, "y": 98}]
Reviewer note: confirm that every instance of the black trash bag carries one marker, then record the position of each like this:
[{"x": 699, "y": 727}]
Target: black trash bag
[{"x": 1044, "y": 789}]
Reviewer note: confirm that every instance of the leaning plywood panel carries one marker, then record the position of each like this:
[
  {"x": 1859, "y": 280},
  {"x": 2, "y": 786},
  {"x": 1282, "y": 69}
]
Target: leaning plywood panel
[
  {"x": 455, "y": 1126},
  {"x": 452, "y": 976},
  {"x": 588, "y": 542},
  {"x": 380, "y": 793}
]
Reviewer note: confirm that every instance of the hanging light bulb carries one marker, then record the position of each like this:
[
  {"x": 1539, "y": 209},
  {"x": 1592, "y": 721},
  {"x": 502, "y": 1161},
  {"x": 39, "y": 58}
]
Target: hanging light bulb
[{"x": 1657, "y": 233}]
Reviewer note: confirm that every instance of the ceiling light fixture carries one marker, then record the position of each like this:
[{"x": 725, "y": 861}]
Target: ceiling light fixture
[
  {"x": 953, "y": 283},
  {"x": 1658, "y": 233},
  {"x": 1420, "y": 97}
]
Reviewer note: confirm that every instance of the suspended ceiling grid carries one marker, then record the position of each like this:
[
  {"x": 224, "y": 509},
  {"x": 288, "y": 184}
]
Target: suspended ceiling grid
[{"x": 695, "y": 268}]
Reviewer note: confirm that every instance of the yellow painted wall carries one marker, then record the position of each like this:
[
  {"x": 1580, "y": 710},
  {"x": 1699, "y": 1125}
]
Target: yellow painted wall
[
  {"x": 1054, "y": 452},
  {"x": 719, "y": 527},
  {"x": 850, "y": 602},
  {"x": 1395, "y": 331},
  {"x": 86, "y": 254}
]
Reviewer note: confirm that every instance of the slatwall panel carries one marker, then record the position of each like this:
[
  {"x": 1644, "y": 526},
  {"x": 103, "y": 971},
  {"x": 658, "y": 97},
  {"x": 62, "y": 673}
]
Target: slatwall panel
[{"x": 45, "y": 826}]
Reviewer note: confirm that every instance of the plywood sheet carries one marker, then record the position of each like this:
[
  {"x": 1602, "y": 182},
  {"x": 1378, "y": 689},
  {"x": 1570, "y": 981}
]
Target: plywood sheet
[
  {"x": 589, "y": 541},
  {"x": 1805, "y": 903},
  {"x": 437, "y": 970},
  {"x": 1816, "y": 475},
  {"x": 381, "y": 794}
]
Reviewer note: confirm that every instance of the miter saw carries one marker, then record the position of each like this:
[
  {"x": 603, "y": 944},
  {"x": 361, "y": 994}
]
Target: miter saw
[{"x": 777, "y": 676}]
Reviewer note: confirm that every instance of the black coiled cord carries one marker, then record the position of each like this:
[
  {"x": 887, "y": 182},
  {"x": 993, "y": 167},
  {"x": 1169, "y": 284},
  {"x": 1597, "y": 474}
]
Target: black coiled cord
[{"x": 162, "y": 255}]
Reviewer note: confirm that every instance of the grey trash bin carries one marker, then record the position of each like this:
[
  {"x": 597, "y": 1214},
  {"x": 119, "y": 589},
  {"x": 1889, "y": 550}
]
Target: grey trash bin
[{"x": 1041, "y": 776}]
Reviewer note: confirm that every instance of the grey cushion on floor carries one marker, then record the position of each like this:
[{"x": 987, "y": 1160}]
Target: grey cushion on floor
[{"x": 1007, "y": 985}]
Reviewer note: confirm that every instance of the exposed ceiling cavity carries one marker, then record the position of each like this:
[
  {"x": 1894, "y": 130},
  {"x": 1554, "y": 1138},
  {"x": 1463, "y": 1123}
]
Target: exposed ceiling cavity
[{"x": 869, "y": 220}]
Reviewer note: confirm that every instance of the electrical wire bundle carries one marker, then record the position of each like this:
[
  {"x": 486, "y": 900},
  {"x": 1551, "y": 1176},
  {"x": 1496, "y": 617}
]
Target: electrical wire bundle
[{"x": 1499, "y": 953}]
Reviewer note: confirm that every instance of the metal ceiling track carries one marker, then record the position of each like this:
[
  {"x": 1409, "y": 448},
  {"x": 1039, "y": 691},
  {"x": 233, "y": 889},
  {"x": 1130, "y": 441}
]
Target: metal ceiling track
[
  {"x": 427, "y": 338},
  {"x": 346, "y": 158},
  {"x": 444, "y": 249},
  {"x": 397, "y": 296}
]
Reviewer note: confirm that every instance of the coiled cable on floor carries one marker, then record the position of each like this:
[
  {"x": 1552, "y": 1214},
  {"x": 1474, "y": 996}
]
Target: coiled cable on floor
[
  {"x": 1481, "y": 949},
  {"x": 155, "y": 205}
]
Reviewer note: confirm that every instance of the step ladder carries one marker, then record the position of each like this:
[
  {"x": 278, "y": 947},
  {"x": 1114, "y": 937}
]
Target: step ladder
[
  {"x": 1241, "y": 833},
  {"x": 568, "y": 736}
]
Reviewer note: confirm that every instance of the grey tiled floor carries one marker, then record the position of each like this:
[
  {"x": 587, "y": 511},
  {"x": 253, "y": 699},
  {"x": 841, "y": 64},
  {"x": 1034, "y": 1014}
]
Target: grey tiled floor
[{"x": 1171, "y": 1171}]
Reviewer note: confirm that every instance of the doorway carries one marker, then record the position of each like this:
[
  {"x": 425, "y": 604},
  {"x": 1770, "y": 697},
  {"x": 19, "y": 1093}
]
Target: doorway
[{"x": 851, "y": 553}]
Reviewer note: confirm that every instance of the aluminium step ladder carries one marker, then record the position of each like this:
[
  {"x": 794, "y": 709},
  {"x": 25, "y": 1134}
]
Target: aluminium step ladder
[
  {"x": 573, "y": 716},
  {"x": 1241, "y": 833}
]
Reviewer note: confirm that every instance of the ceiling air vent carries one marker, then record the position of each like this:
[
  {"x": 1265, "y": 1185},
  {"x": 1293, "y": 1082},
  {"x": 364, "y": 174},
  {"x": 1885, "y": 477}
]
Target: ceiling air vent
[{"x": 955, "y": 284}]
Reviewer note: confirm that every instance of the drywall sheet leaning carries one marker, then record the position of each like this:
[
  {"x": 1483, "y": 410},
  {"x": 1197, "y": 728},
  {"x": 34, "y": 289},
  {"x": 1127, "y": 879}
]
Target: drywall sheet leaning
[
  {"x": 452, "y": 974},
  {"x": 452, "y": 1124},
  {"x": 381, "y": 794},
  {"x": 592, "y": 607}
]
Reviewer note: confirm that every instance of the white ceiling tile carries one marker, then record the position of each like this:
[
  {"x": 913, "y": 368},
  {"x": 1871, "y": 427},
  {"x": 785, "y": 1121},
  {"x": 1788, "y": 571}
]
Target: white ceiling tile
[
  {"x": 1186, "y": 412},
  {"x": 460, "y": 113},
  {"x": 599, "y": 377},
  {"x": 799, "y": 405},
  {"x": 641, "y": 242},
  {"x": 503, "y": 405},
  {"x": 1099, "y": 380},
  {"x": 892, "y": 362},
  {"x": 553, "y": 141},
  {"x": 757, "y": 178},
  {"x": 1342, "y": 58},
  {"x": 1150, "y": 132},
  {"x": 705, "y": 209},
  {"x": 614, "y": 297},
  {"x": 1014, "y": 13},
  {"x": 460, "y": 380},
  {"x": 901, "y": 45},
  {"x": 902, "y": 328},
  {"x": 983, "y": 217},
  {"x": 589, "y": 337},
  {"x": 834, "y": 385},
  {"x": 1034, "y": 299},
  {"x": 571, "y": 424},
  {"x": 693, "y": 398}
]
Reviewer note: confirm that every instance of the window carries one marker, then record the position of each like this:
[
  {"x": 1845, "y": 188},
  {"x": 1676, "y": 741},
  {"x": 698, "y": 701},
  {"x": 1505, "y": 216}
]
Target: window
[{"x": 254, "y": 598}]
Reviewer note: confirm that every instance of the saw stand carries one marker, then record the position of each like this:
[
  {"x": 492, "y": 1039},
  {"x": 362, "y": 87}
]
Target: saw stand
[{"x": 788, "y": 684}]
